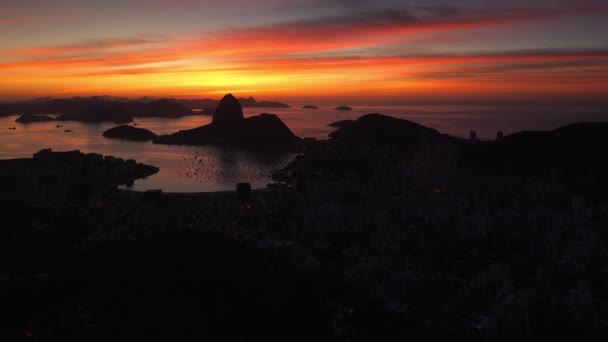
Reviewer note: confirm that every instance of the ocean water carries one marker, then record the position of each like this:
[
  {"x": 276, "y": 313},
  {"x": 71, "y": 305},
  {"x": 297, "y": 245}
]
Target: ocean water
[{"x": 211, "y": 168}]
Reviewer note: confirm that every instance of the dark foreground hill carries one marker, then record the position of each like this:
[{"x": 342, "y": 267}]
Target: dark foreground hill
[
  {"x": 176, "y": 284},
  {"x": 573, "y": 155},
  {"x": 577, "y": 145}
]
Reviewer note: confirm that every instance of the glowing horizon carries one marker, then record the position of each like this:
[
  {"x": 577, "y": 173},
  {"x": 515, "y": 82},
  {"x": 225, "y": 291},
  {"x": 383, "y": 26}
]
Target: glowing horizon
[{"x": 284, "y": 50}]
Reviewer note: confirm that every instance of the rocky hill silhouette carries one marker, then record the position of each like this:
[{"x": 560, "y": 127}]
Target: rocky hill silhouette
[
  {"x": 228, "y": 113},
  {"x": 229, "y": 127}
]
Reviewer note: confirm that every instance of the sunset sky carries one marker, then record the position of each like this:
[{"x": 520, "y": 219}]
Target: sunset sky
[{"x": 306, "y": 50}]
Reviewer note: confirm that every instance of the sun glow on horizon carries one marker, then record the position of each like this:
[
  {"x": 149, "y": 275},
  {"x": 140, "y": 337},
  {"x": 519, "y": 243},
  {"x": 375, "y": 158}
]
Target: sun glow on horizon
[{"x": 378, "y": 53}]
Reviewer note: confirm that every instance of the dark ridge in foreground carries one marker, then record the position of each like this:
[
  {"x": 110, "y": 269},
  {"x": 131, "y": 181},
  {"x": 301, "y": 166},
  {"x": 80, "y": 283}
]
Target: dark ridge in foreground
[
  {"x": 28, "y": 118},
  {"x": 343, "y": 108},
  {"x": 129, "y": 133},
  {"x": 229, "y": 127},
  {"x": 569, "y": 154},
  {"x": 388, "y": 231},
  {"x": 341, "y": 123},
  {"x": 573, "y": 146},
  {"x": 572, "y": 154},
  {"x": 186, "y": 284}
]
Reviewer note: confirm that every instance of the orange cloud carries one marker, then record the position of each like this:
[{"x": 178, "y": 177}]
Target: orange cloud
[
  {"x": 270, "y": 59},
  {"x": 88, "y": 46},
  {"x": 365, "y": 29}
]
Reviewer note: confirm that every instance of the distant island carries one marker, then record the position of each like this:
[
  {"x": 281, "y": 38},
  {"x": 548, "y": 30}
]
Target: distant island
[
  {"x": 124, "y": 112},
  {"x": 245, "y": 102},
  {"x": 99, "y": 112},
  {"x": 343, "y": 108},
  {"x": 121, "y": 110},
  {"x": 341, "y": 123},
  {"x": 229, "y": 127},
  {"x": 310, "y": 107},
  {"x": 163, "y": 108},
  {"x": 28, "y": 118},
  {"x": 129, "y": 133}
]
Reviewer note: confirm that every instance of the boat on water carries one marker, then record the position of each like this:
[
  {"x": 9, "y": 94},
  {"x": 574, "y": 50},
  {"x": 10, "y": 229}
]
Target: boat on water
[
  {"x": 58, "y": 126},
  {"x": 67, "y": 130},
  {"x": 12, "y": 128}
]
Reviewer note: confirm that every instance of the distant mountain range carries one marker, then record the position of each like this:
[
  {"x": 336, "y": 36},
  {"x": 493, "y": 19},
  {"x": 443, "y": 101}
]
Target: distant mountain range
[
  {"x": 119, "y": 109},
  {"x": 245, "y": 102}
]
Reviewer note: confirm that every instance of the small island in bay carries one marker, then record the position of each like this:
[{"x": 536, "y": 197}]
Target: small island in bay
[
  {"x": 343, "y": 108},
  {"x": 341, "y": 123},
  {"x": 129, "y": 133},
  {"x": 310, "y": 107},
  {"x": 28, "y": 118}
]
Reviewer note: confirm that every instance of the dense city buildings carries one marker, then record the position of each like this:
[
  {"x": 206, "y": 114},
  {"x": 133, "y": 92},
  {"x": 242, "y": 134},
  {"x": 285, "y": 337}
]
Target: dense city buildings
[{"x": 425, "y": 243}]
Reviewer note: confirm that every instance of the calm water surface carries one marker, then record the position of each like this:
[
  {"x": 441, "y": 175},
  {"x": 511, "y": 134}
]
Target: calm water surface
[{"x": 210, "y": 168}]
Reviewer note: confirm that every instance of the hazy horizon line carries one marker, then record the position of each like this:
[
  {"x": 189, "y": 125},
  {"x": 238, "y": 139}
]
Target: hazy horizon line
[{"x": 347, "y": 100}]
